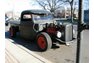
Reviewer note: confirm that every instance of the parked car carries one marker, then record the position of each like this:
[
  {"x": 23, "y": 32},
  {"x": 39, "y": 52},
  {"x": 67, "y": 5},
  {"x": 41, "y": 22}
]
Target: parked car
[{"x": 7, "y": 19}]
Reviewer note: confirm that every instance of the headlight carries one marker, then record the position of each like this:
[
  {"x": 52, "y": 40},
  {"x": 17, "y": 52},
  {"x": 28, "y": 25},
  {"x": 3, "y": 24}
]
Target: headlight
[{"x": 59, "y": 34}]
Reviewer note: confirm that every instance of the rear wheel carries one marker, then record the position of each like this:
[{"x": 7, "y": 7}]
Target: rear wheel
[
  {"x": 44, "y": 41},
  {"x": 12, "y": 32}
]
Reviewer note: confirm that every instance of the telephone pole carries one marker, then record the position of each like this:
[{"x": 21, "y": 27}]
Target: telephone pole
[{"x": 80, "y": 28}]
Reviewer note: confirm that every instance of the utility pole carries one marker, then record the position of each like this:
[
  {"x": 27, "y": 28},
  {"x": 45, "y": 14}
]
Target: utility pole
[
  {"x": 81, "y": 26},
  {"x": 79, "y": 32}
]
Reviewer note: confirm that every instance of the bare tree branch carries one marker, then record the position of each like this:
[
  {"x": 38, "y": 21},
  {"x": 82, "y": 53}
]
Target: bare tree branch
[
  {"x": 50, "y": 5},
  {"x": 42, "y": 4},
  {"x": 71, "y": 7}
]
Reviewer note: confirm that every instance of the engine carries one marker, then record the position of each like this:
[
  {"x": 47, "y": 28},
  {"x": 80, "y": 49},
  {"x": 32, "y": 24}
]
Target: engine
[
  {"x": 58, "y": 30},
  {"x": 55, "y": 30},
  {"x": 62, "y": 31}
]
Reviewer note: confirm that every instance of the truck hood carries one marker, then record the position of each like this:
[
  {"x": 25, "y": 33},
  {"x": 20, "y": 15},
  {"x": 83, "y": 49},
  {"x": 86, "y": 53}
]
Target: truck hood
[{"x": 44, "y": 21}]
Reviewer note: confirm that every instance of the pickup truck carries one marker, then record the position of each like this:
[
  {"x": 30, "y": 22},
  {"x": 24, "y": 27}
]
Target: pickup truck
[{"x": 39, "y": 25}]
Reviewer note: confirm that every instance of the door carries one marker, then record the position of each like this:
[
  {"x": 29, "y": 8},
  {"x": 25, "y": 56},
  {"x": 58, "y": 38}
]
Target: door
[{"x": 26, "y": 27}]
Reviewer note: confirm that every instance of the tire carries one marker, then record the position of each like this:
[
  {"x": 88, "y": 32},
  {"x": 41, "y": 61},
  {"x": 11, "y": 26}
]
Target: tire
[
  {"x": 12, "y": 32},
  {"x": 44, "y": 41}
]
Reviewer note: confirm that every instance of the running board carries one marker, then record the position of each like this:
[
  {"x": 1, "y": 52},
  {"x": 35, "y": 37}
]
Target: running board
[{"x": 67, "y": 43}]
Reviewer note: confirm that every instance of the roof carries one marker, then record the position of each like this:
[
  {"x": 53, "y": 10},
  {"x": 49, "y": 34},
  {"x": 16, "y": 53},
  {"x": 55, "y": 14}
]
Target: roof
[{"x": 36, "y": 11}]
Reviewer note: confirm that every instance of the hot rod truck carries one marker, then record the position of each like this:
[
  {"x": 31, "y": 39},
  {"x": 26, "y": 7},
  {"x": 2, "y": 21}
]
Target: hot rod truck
[{"x": 39, "y": 25}]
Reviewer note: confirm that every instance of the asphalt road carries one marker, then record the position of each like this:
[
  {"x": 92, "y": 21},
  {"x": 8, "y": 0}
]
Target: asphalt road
[{"x": 59, "y": 53}]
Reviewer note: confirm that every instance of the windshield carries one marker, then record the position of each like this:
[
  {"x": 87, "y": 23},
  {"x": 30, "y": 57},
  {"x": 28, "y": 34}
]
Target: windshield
[{"x": 42, "y": 17}]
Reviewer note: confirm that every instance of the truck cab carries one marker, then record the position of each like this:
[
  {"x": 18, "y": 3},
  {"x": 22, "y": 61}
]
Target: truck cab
[{"x": 32, "y": 22}]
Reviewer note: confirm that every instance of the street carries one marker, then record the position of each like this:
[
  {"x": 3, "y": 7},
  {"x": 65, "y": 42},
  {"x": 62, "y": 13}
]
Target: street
[{"x": 60, "y": 53}]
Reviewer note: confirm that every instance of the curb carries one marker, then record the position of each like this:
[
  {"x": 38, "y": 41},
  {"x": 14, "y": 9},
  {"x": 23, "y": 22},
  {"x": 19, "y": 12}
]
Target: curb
[{"x": 24, "y": 55}]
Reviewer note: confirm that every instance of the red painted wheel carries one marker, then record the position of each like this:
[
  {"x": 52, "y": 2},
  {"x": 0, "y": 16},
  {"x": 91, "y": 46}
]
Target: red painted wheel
[
  {"x": 44, "y": 41},
  {"x": 12, "y": 32}
]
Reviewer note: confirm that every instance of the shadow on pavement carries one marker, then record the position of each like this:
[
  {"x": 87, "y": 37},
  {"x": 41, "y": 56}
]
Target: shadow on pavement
[{"x": 26, "y": 43}]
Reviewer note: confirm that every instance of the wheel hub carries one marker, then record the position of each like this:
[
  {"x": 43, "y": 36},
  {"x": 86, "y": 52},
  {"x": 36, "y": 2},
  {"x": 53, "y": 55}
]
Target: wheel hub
[{"x": 42, "y": 42}]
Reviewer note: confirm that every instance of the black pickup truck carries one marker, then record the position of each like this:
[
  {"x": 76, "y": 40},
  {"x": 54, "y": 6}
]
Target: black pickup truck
[{"x": 39, "y": 25}]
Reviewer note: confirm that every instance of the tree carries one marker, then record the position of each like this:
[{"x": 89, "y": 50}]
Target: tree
[
  {"x": 50, "y": 5},
  {"x": 71, "y": 7},
  {"x": 75, "y": 7}
]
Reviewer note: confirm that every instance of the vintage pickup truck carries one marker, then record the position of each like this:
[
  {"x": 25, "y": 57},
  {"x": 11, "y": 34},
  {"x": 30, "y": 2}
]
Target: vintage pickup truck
[{"x": 39, "y": 25}]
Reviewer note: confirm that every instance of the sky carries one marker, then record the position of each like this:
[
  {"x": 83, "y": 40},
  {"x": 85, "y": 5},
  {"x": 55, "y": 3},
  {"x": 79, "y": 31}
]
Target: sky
[
  {"x": 86, "y": 4},
  {"x": 20, "y": 5}
]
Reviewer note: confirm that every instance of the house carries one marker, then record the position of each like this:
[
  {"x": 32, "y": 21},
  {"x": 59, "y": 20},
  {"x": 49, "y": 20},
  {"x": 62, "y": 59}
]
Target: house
[
  {"x": 65, "y": 13},
  {"x": 86, "y": 16}
]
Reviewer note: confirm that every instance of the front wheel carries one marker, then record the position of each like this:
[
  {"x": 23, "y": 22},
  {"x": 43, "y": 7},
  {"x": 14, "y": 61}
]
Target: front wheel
[{"x": 44, "y": 41}]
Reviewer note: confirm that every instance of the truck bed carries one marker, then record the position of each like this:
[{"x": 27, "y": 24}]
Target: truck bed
[{"x": 15, "y": 22}]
